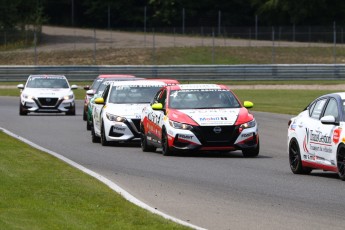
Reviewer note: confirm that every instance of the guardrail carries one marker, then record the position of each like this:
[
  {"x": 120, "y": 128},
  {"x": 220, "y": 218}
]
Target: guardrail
[{"x": 185, "y": 72}]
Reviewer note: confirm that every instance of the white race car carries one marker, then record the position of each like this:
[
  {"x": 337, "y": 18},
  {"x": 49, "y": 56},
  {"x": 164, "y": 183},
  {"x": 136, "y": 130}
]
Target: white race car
[
  {"x": 316, "y": 136},
  {"x": 199, "y": 117},
  {"x": 116, "y": 115},
  {"x": 47, "y": 94}
]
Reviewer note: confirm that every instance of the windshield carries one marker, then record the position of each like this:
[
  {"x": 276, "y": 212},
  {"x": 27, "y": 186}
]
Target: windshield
[
  {"x": 47, "y": 82},
  {"x": 136, "y": 94},
  {"x": 202, "y": 99}
]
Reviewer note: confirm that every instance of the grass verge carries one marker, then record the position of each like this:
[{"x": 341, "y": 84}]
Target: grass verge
[{"x": 39, "y": 191}]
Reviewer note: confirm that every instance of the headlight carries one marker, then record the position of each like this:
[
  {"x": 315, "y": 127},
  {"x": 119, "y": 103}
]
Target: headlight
[
  {"x": 68, "y": 97},
  {"x": 178, "y": 125},
  {"x": 29, "y": 97},
  {"x": 112, "y": 117},
  {"x": 247, "y": 125}
]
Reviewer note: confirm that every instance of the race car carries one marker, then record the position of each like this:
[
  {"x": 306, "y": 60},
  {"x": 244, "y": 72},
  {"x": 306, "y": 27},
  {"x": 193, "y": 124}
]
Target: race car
[
  {"x": 316, "y": 136},
  {"x": 47, "y": 94},
  {"x": 93, "y": 94},
  {"x": 198, "y": 117},
  {"x": 116, "y": 115},
  {"x": 91, "y": 90}
]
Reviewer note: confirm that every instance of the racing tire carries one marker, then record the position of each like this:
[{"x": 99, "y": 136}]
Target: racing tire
[
  {"x": 341, "y": 162},
  {"x": 94, "y": 138},
  {"x": 296, "y": 160},
  {"x": 251, "y": 153},
  {"x": 104, "y": 141},
  {"x": 71, "y": 112},
  {"x": 22, "y": 111},
  {"x": 166, "y": 150},
  {"x": 85, "y": 116},
  {"x": 88, "y": 125},
  {"x": 146, "y": 147}
]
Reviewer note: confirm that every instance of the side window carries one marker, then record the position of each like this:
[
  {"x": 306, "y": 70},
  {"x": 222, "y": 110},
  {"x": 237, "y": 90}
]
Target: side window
[
  {"x": 332, "y": 109},
  {"x": 105, "y": 93},
  {"x": 317, "y": 109},
  {"x": 311, "y": 108},
  {"x": 162, "y": 98}
]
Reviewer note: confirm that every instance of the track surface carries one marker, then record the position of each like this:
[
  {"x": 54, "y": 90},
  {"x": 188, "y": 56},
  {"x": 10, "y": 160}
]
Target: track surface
[{"x": 214, "y": 191}]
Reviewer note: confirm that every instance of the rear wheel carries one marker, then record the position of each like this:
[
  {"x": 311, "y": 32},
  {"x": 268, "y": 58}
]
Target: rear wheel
[
  {"x": 84, "y": 116},
  {"x": 296, "y": 160},
  {"x": 104, "y": 141},
  {"x": 166, "y": 150},
  {"x": 88, "y": 125},
  {"x": 22, "y": 111},
  {"x": 341, "y": 162},
  {"x": 144, "y": 145}
]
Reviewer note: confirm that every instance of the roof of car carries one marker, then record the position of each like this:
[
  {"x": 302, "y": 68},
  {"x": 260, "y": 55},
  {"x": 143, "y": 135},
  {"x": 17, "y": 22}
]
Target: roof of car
[
  {"x": 197, "y": 86},
  {"x": 140, "y": 82},
  {"x": 340, "y": 94},
  {"x": 166, "y": 81},
  {"x": 116, "y": 76},
  {"x": 47, "y": 76}
]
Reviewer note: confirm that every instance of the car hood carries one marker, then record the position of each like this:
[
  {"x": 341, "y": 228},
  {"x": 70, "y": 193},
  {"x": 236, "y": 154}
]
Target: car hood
[
  {"x": 125, "y": 110},
  {"x": 206, "y": 117},
  {"x": 47, "y": 92}
]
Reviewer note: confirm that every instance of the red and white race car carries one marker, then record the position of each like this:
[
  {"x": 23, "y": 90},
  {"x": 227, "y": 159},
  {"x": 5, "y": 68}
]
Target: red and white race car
[{"x": 198, "y": 117}]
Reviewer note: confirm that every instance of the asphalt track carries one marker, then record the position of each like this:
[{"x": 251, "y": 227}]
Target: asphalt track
[{"x": 214, "y": 191}]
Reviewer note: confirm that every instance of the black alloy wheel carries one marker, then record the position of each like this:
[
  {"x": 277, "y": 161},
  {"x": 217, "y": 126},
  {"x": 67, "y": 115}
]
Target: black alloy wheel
[
  {"x": 144, "y": 145},
  {"x": 104, "y": 141},
  {"x": 295, "y": 159},
  {"x": 165, "y": 146},
  {"x": 341, "y": 162}
]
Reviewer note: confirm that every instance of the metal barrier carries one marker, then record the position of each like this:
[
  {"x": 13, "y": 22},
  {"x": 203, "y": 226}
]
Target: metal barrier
[{"x": 185, "y": 72}]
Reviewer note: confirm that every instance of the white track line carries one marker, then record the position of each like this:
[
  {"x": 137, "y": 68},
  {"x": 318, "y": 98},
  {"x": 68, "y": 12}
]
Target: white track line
[{"x": 106, "y": 181}]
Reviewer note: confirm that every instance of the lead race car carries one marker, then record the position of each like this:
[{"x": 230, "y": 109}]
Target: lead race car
[
  {"x": 116, "y": 114},
  {"x": 316, "y": 137},
  {"x": 199, "y": 117},
  {"x": 47, "y": 94}
]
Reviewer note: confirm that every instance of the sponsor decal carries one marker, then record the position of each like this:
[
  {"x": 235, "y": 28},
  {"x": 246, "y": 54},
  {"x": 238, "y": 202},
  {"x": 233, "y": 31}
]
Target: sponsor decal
[
  {"x": 116, "y": 128},
  {"x": 186, "y": 137},
  {"x": 317, "y": 137},
  {"x": 245, "y": 135},
  {"x": 336, "y": 135},
  {"x": 154, "y": 117},
  {"x": 213, "y": 119}
]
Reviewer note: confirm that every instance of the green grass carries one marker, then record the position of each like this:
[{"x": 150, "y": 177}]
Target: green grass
[
  {"x": 39, "y": 191},
  {"x": 280, "y": 101}
]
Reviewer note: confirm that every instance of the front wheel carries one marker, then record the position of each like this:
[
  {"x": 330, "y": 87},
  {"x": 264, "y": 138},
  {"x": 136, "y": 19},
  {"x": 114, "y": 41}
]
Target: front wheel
[
  {"x": 341, "y": 162},
  {"x": 296, "y": 160},
  {"x": 22, "y": 111},
  {"x": 166, "y": 150},
  {"x": 104, "y": 141},
  {"x": 251, "y": 152}
]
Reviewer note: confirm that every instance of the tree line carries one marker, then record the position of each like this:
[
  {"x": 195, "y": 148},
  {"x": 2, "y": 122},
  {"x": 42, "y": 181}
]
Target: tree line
[{"x": 169, "y": 13}]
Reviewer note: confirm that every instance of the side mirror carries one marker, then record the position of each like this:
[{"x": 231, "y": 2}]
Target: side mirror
[
  {"x": 329, "y": 120},
  {"x": 20, "y": 86},
  {"x": 74, "y": 87},
  {"x": 99, "y": 101},
  {"x": 248, "y": 104},
  {"x": 87, "y": 87},
  {"x": 90, "y": 92},
  {"x": 157, "y": 106}
]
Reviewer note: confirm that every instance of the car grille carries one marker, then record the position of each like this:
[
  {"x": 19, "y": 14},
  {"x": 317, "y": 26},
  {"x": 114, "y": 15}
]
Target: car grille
[
  {"x": 216, "y": 135},
  {"x": 47, "y": 101}
]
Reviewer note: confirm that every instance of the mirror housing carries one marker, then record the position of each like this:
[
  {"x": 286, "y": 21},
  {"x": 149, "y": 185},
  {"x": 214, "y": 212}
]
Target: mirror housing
[
  {"x": 74, "y": 87},
  {"x": 329, "y": 120},
  {"x": 248, "y": 104},
  {"x": 157, "y": 106},
  {"x": 86, "y": 87},
  {"x": 99, "y": 100},
  {"x": 20, "y": 86},
  {"x": 90, "y": 92}
]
